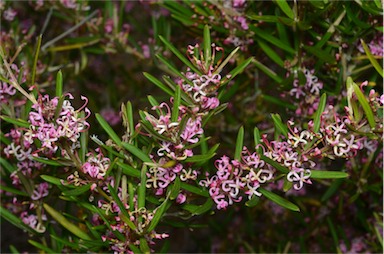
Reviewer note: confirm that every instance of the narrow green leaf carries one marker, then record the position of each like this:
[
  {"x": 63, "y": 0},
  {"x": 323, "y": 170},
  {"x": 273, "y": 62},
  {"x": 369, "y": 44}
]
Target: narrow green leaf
[
  {"x": 321, "y": 54},
  {"x": 271, "y": 53},
  {"x": 36, "y": 57},
  {"x": 229, "y": 57},
  {"x": 112, "y": 134},
  {"x": 207, "y": 47},
  {"x": 274, "y": 164},
  {"x": 287, "y": 185},
  {"x": 78, "y": 191},
  {"x": 158, "y": 215},
  {"x": 124, "y": 214},
  {"x": 270, "y": 73},
  {"x": 176, "y": 104},
  {"x": 52, "y": 179},
  {"x": 128, "y": 169},
  {"x": 257, "y": 138},
  {"x": 323, "y": 174},
  {"x": 13, "y": 219},
  {"x": 47, "y": 161},
  {"x": 278, "y": 101},
  {"x": 285, "y": 8},
  {"x": 66, "y": 223},
  {"x": 333, "y": 232},
  {"x": 203, "y": 157},
  {"x": 239, "y": 68},
  {"x": 239, "y": 144},
  {"x": 175, "y": 189},
  {"x": 207, "y": 206},
  {"x": 172, "y": 69},
  {"x": 279, "y": 200},
  {"x": 137, "y": 152},
  {"x": 333, "y": 188},
  {"x": 279, "y": 124},
  {"x": 144, "y": 246},
  {"x": 142, "y": 187},
  {"x": 41, "y": 246},
  {"x": 158, "y": 83},
  {"x": 14, "y": 191},
  {"x": 59, "y": 84},
  {"x": 254, "y": 201},
  {"x": 364, "y": 103},
  {"x": 194, "y": 189},
  {"x": 8, "y": 166},
  {"x": 319, "y": 111},
  {"x": 17, "y": 122},
  {"x": 13, "y": 249},
  {"x": 179, "y": 55},
  {"x": 273, "y": 40}
]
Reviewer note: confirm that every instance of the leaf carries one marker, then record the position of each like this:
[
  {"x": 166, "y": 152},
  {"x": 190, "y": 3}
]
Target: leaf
[
  {"x": 194, "y": 189},
  {"x": 270, "y": 73},
  {"x": 160, "y": 210},
  {"x": 142, "y": 187},
  {"x": 285, "y": 8},
  {"x": 203, "y": 157},
  {"x": 41, "y": 246},
  {"x": 17, "y": 122},
  {"x": 179, "y": 55},
  {"x": 254, "y": 201},
  {"x": 322, "y": 174},
  {"x": 279, "y": 124},
  {"x": 321, "y": 54},
  {"x": 77, "y": 191},
  {"x": 47, "y": 161},
  {"x": 65, "y": 223},
  {"x": 274, "y": 164},
  {"x": 16, "y": 221},
  {"x": 176, "y": 104},
  {"x": 204, "y": 207},
  {"x": 128, "y": 169},
  {"x": 52, "y": 179},
  {"x": 239, "y": 144},
  {"x": 36, "y": 57},
  {"x": 59, "y": 84},
  {"x": 144, "y": 246},
  {"x": 207, "y": 47},
  {"x": 278, "y": 101},
  {"x": 175, "y": 189},
  {"x": 112, "y": 134},
  {"x": 14, "y": 191},
  {"x": 8, "y": 166},
  {"x": 273, "y": 40},
  {"x": 123, "y": 212},
  {"x": 239, "y": 68},
  {"x": 279, "y": 200},
  {"x": 137, "y": 152},
  {"x": 319, "y": 112},
  {"x": 332, "y": 189},
  {"x": 271, "y": 53},
  {"x": 364, "y": 103},
  {"x": 158, "y": 83}
]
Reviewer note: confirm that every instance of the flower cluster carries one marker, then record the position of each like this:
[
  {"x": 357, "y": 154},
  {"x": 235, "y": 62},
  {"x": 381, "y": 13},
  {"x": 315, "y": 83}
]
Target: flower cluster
[
  {"x": 174, "y": 149},
  {"x": 121, "y": 226},
  {"x": 306, "y": 96},
  {"x": 51, "y": 122},
  {"x": 234, "y": 177}
]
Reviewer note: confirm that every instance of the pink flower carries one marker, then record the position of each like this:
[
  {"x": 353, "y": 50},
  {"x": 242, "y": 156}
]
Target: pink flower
[{"x": 40, "y": 192}]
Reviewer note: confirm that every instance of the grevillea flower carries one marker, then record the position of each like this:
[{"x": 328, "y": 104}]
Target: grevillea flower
[
  {"x": 49, "y": 124},
  {"x": 96, "y": 165}
]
